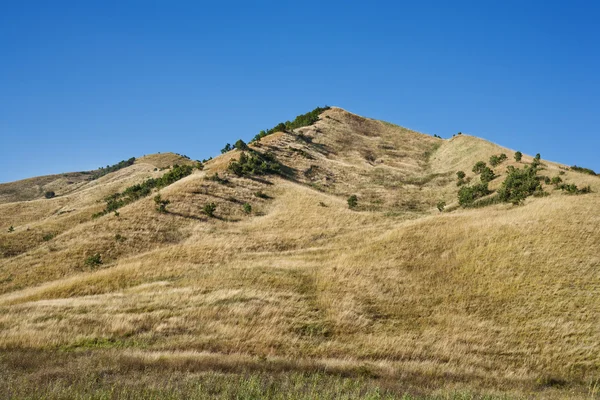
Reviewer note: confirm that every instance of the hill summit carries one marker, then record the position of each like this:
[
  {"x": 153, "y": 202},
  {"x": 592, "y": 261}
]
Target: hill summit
[{"x": 333, "y": 245}]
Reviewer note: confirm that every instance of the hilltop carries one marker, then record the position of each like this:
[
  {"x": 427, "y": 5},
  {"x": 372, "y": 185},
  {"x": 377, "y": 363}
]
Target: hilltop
[{"x": 252, "y": 267}]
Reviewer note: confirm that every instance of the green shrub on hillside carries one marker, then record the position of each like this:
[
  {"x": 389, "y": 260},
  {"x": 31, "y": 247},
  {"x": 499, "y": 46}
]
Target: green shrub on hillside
[
  {"x": 228, "y": 147},
  {"x": 584, "y": 170},
  {"x": 209, "y": 209},
  {"x": 468, "y": 194},
  {"x": 479, "y": 167},
  {"x": 112, "y": 168},
  {"x": 241, "y": 145},
  {"x": 573, "y": 189},
  {"x": 487, "y": 175},
  {"x": 496, "y": 160},
  {"x": 50, "y": 194},
  {"x": 519, "y": 184},
  {"x": 461, "y": 175},
  {"x": 301, "y": 120},
  {"x": 247, "y": 208},
  {"x": 137, "y": 191},
  {"x": 352, "y": 201},
  {"x": 441, "y": 205},
  {"x": 11, "y": 229},
  {"x": 518, "y": 156},
  {"x": 161, "y": 205},
  {"x": 254, "y": 164},
  {"x": 94, "y": 260}
]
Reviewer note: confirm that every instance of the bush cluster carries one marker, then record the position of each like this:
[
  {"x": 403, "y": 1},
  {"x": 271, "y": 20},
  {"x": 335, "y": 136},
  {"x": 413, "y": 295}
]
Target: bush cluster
[
  {"x": 468, "y": 194},
  {"x": 584, "y": 170},
  {"x": 135, "y": 192},
  {"x": 520, "y": 184},
  {"x": 50, "y": 194},
  {"x": 254, "y": 164},
  {"x": 479, "y": 167},
  {"x": 573, "y": 189},
  {"x": 496, "y": 160},
  {"x": 301, "y": 120},
  {"x": 112, "y": 168}
]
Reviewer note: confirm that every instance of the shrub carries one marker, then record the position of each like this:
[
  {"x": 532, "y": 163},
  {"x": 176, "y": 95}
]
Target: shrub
[
  {"x": 254, "y": 164},
  {"x": 441, "y": 205},
  {"x": 48, "y": 236},
  {"x": 301, "y": 120},
  {"x": 584, "y": 170},
  {"x": 94, "y": 260},
  {"x": 556, "y": 180},
  {"x": 538, "y": 157},
  {"x": 487, "y": 175},
  {"x": 518, "y": 156},
  {"x": 11, "y": 229},
  {"x": 519, "y": 184},
  {"x": 137, "y": 191},
  {"x": 241, "y": 145},
  {"x": 321, "y": 204},
  {"x": 112, "y": 168},
  {"x": 461, "y": 175},
  {"x": 468, "y": 194},
  {"x": 479, "y": 167},
  {"x": 352, "y": 201},
  {"x": 199, "y": 165},
  {"x": 227, "y": 148},
  {"x": 573, "y": 189},
  {"x": 161, "y": 205},
  {"x": 496, "y": 160},
  {"x": 117, "y": 214},
  {"x": 119, "y": 238},
  {"x": 49, "y": 194},
  {"x": 209, "y": 209},
  {"x": 247, "y": 208}
]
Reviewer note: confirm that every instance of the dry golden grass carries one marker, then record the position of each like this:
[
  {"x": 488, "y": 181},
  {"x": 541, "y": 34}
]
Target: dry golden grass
[{"x": 496, "y": 299}]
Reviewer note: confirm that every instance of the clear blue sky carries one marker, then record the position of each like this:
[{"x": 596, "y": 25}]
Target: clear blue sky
[{"x": 85, "y": 83}]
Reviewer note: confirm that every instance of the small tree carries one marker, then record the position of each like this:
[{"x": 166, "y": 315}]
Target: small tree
[
  {"x": 247, "y": 208},
  {"x": 487, "y": 175},
  {"x": 479, "y": 167},
  {"x": 241, "y": 145},
  {"x": 352, "y": 201},
  {"x": 227, "y": 148},
  {"x": 161, "y": 205},
  {"x": 441, "y": 205},
  {"x": 50, "y": 194},
  {"x": 461, "y": 175},
  {"x": 538, "y": 156},
  {"x": 518, "y": 156},
  {"x": 11, "y": 229},
  {"x": 209, "y": 209}
]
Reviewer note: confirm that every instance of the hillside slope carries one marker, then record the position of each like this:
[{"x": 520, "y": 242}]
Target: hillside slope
[{"x": 393, "y": 292}]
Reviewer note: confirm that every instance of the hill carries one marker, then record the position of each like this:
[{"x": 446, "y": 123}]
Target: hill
[{"x": 259, "y": 279}]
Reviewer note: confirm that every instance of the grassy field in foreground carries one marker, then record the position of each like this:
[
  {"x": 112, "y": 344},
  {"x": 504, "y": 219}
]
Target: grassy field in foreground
[{"x": 110, "y": 375}]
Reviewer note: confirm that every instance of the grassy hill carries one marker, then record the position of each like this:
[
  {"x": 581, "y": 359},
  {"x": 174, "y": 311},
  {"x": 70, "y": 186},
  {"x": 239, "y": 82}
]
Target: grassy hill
[{"x": 287, "y": 290}]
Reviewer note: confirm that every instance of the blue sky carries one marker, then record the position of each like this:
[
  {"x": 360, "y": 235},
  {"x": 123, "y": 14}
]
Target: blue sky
[{"x": 85, "y": 84}]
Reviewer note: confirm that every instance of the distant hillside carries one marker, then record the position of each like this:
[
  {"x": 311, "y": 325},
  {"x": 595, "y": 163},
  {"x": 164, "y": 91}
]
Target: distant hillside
[{"x": 319, "y": 256}]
